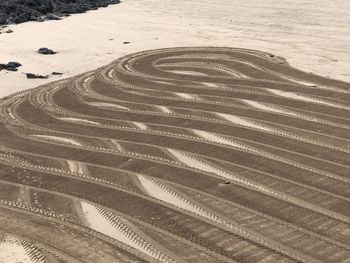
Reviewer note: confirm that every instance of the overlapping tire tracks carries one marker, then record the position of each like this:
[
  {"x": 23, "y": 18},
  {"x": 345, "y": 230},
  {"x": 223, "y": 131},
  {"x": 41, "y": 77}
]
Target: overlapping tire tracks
[{"x": 181, "y": 155}]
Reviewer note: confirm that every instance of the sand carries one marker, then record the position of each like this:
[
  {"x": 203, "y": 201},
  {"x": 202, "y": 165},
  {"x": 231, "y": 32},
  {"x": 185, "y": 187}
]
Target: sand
[
  {"x": 100, "y": 223},
  {"x": 311, "y": 35},
  {"x": 197, "y": 168},
  {"x": 11, "y": 251},
  {"x": 58, "y": 139}
]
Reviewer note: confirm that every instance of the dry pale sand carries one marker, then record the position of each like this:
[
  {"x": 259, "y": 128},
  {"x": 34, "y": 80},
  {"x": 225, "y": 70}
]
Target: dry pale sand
[{"x": 312, "y": 35}]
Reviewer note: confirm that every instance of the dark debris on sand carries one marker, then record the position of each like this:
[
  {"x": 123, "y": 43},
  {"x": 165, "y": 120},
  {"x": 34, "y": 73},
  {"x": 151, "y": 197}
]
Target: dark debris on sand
[
  {"x": 11, "y": 66},
  {"x": 46, "y": 51},
  {"x": 36, "y": 76}
]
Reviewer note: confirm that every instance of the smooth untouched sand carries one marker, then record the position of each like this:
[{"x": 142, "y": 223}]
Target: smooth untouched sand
[
  {"x": 11, "y": 251},
  {"x": 311, "y": 35},
  {"x": 198, "y": 164},
  {"x": 163, "y": 194},
  {"x": 99, "y": 223}
]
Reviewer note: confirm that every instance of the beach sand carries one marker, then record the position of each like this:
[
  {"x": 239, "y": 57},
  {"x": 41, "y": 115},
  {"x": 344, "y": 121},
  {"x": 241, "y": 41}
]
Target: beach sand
[
  {"x": 310, "y": 35},
  {"x": 167, "y": 156}
]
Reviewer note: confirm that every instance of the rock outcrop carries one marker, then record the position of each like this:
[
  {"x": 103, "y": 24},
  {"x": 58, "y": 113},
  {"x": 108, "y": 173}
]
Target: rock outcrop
[{"x": 19, "y": 11}]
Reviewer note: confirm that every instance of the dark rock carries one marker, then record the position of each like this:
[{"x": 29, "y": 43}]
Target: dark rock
[
  {"x": 126, "y": 42},
  {"x": 53, "y": 17},
  {"x": 48, "y": 17},
  {"x": 3, "y": 18},
  {"x": 35, "y": 76},
  {"x": 9, "y": 31},
  {"x": 46, "y": 51},
  {"x": 11, "y": 69},
  {"x": 14, "y": 64},
  {"x": 11, "y": 66},
  {"x": 57, "y": 73},
  {"x": 18, "y": 11}
]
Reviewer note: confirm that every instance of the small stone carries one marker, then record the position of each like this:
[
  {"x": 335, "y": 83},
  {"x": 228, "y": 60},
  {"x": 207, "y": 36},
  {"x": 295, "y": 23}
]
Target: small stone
[
  {"x": 14, "y": 64},
  {"x": 35, "y": 76},
  {"x": 11, "y": 69},
  {"x": 46, "y": 51},
  {"x": 57, "y": 73},
  {"x": 53, "y": 17},
  {"x": 11, "y": 66},
  {"x": 126, "y": 42}
]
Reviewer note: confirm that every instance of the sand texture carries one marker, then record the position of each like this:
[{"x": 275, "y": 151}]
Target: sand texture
[
  {"x": 312, "y": 35},
  {"x": 187, "y": 155}
]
